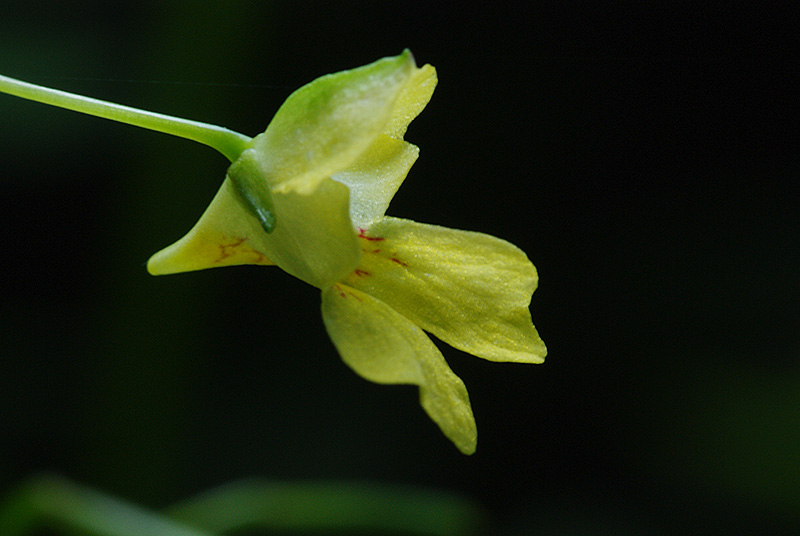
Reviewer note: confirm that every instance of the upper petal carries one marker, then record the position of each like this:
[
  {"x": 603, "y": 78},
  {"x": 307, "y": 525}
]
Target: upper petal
[
  {"x": 384, "y": 347},
  {"x": 379, "y": 171},
  {"x": 326, "y": 125},
  {"x": 469, "y": 289}
]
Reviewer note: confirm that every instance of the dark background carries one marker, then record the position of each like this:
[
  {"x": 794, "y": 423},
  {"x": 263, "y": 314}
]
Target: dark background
[{"x": 646, "y": 159}]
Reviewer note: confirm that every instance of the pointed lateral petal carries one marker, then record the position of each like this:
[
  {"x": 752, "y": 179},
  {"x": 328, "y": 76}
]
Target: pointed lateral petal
[
  {"x": 225, "y": 235},
  {"x": 325, "y": 125},
  {"x": 375, "y": 176},
  {"x": 469, "y": 289},
  {"x": 384, "y": 347}
]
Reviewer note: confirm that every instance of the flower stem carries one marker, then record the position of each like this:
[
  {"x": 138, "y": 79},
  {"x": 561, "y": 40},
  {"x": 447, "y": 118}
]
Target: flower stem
[{"x": 229, "y": 143}]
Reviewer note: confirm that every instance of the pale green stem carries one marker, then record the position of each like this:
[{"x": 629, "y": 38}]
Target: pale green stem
[{"x": 229, "y": 143}]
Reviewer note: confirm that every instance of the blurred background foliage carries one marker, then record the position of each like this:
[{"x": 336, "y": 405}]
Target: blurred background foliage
[{"x": 646, "y": 159}]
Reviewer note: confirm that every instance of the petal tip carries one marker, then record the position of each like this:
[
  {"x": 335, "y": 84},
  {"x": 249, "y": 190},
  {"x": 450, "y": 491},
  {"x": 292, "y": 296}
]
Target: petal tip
[{"x": 469, "y": 447}]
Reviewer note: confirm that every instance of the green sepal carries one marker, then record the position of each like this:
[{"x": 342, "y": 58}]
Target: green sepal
[{"x": 253, "y": 191}]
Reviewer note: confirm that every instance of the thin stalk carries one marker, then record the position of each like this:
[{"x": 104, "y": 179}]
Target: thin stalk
[{"x": 229, "y": 143}]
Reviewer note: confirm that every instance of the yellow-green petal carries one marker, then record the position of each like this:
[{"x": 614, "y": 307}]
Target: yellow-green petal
[
  {"x": 469, "y": 289},
  {"x": 375, "y": 177},
  {"x": 326, "y": 125},
  {"x": 382, "y": 346}
]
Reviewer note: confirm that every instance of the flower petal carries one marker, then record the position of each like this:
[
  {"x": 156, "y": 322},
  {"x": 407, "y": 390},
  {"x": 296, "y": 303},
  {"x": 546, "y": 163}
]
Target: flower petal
[
  {"x": 375, "y": 177},
  {"x": 326, "y": 125},
  {"x": 384, "y": 347},
  {"x": 469, "y": 289},
  {"x": 313, "y": 238}
]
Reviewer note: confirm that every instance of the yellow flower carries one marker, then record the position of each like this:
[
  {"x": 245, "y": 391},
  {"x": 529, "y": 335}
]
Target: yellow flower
[
  {"x": 309, "y": 195},
  {"x": 333, "y": 158}
]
